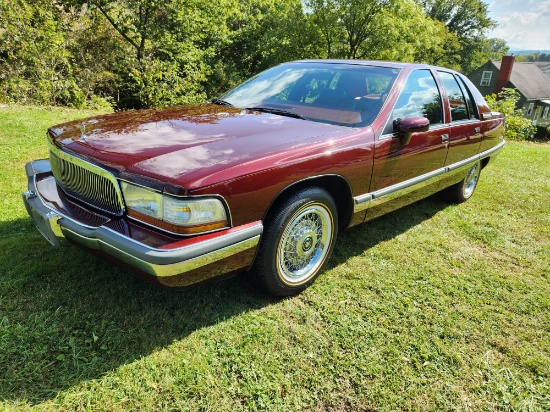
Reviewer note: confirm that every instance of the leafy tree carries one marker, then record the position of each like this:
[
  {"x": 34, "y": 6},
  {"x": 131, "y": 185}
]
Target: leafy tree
[
  {"x": 467, "y": 21},
  {"x": 373, "y": 29},
  {"x": 347, "y": 27},
  {"x": 517, "y": 126},
  {"x": 261, "y": 34},
  {"x": 496, "y": 48},
  {"x": 146, "y": 53},
  {"x": 34, "y": 59},
  {"x": 40, "y": 56},
  {"x": 170, "y": 41},
  {"x": 534, "y": 57}
]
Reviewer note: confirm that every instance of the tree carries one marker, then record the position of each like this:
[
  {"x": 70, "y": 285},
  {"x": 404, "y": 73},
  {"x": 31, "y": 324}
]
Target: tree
[
  {"x": 262, "y": 33},
  {"x": 496, "y": 48},
  {"x": 534, "y": 57},
  {"x": 170, "y": 42},
  {"x": 148, "y": 53},
  {"x": 373, "y": 29},
  {"x": 467, "y": 20},
  {"x": 345, "y": 26},
  {"x": 35, "y": 56}
]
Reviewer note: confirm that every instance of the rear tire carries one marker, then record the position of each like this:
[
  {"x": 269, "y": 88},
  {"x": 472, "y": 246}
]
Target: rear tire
[
  {"x": 297, "y": 241},
  {"x": 464, "y": 189}
]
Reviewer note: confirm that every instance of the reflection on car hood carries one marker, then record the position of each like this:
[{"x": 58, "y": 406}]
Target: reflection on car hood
[{"x": 194, "y": 145}]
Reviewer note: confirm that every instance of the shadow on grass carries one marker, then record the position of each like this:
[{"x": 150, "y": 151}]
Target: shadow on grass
[
  {"x": 355, "y": 241},
  {"x": 67, "y": 317}
]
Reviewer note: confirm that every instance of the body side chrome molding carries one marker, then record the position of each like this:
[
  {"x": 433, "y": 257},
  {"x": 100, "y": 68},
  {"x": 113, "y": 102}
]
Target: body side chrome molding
[{"x": 367, "y": 200}]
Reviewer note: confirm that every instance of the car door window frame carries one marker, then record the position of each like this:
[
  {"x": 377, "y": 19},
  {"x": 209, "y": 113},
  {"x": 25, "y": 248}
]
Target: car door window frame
[
  {"x": 389, "y": 122},
  {"x": 466, "y": 94},
  {"x": 465, "y": 88}
]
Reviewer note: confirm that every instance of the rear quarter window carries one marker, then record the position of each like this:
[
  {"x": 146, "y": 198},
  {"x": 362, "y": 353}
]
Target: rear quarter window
[{"x": 478, "y": 100}]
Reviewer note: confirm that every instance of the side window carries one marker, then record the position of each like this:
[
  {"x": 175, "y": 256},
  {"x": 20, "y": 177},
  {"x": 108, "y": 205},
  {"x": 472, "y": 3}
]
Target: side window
[
  {"x": 472, "y": 107},
  {"x": 457, "y": 102},
  {"x": 486, "y": 78},
  {"x": 530, "y": 109},
  {"x": 420, "y": 97}
]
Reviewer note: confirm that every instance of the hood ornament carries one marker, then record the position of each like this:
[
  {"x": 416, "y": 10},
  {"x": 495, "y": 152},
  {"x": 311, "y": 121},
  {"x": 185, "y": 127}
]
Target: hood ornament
[{"x": 83, "y": 131}]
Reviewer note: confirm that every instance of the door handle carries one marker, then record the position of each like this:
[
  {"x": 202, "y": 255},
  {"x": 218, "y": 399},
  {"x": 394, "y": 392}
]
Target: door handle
[
  {"x": 444, "y": 138},
  {"x": 478, "y": 129}
]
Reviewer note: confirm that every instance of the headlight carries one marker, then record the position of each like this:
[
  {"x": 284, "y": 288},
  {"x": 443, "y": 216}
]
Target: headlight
[{"x": 177, "y": 215}]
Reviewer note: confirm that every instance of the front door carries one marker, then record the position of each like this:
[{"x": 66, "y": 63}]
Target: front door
[{"x": 402, "y": 169}]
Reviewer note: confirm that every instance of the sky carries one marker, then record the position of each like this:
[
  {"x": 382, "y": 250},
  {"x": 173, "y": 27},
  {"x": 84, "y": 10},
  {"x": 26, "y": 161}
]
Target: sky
[{"x": 524, "y": 24}]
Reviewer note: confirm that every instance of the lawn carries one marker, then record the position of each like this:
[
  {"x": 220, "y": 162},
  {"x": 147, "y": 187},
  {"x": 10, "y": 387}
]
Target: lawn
[{"x": 433, "y": 307}]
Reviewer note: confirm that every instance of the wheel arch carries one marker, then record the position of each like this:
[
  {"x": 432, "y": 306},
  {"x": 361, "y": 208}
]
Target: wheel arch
[{"x": 336, "y": 185}]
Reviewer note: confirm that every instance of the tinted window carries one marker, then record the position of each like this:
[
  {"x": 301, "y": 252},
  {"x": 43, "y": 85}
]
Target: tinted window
[
  {"x": 420, "y": 97},
  {"x": 345, "y": 94},
  {"x": 457, "y": 102}
]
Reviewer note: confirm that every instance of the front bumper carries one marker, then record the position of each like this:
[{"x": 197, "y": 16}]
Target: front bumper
[{"x": 167, "y": 260}]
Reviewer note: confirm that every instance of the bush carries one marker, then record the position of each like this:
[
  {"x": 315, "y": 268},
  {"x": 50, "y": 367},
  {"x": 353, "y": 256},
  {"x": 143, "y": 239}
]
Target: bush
[
  {"x": 517, "y": 126},
  {"x": 542, "y": 133}
]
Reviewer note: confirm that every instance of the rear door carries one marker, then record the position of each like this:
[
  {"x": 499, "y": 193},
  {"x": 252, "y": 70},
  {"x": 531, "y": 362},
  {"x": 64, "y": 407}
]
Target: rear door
[{"x": 465, "y": 132}]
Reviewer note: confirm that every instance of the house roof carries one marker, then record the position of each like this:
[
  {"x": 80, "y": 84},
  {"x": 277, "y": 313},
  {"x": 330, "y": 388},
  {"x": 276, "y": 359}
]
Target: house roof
[
  {"x": 528, "y": 78},
  {"x": 544, "y": 66}
]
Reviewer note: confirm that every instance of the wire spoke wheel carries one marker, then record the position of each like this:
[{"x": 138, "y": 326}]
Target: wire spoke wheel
[
  {"x": 470, "y": 181},
  {"x": 305, "y": 243},
  {"x": 297, "y": 241},
  {"x": 463, "y": 190}
]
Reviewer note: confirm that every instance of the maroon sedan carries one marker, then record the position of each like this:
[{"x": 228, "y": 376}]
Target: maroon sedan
[{"x": 264, "y": 177}]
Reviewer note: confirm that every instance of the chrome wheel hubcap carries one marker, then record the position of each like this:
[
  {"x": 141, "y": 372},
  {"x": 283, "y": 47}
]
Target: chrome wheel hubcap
[
  {"x": 470, "y": 180},
  {"x": 304, "y": 244}
]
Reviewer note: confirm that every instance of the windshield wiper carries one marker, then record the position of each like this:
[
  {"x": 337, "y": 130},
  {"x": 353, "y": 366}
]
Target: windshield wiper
[
  {"x": 280, "y": 112},
  {"x": 220, "y": 102}
]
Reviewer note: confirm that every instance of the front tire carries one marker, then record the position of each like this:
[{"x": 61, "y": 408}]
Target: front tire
[
  {"x": 297, "y": 242},
  {"x": 464, "y": 189}
]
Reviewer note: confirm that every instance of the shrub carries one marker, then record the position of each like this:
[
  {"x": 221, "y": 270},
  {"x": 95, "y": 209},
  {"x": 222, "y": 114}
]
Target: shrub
[
  {"x": 542, "y": 133},
  {"x": 517, "y": 126}
]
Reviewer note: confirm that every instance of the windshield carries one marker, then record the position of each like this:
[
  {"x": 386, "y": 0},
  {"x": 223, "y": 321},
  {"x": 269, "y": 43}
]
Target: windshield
[{"x": 334, "y": 93}]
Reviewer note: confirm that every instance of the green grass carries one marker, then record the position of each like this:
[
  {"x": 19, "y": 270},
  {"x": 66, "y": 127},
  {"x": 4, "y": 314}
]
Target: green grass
[{"x": 433, "y": 307}]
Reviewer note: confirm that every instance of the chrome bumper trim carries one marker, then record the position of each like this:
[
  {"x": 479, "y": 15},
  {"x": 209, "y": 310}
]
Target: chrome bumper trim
[
  {"x": 367, "y": 200},
  {"x": 179, "y": 266},
  {"x": 45, "y": 219},
  {"x": 57, "y": 229}
]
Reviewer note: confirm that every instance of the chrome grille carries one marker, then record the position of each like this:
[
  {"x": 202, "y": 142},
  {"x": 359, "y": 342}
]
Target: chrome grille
[{"x": 86, "y": 182}]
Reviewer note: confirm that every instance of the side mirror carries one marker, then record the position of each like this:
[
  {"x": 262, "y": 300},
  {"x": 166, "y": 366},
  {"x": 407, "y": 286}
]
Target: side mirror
[{"x": 409, "y": 125}]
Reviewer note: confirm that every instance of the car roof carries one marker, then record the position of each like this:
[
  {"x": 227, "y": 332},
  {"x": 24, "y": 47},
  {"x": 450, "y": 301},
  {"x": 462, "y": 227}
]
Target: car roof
[{"x": 380, "y": 63}]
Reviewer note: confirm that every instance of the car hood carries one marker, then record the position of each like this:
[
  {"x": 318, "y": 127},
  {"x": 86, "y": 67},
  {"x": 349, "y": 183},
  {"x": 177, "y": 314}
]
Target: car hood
[{"x": 195, "y": 145}]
